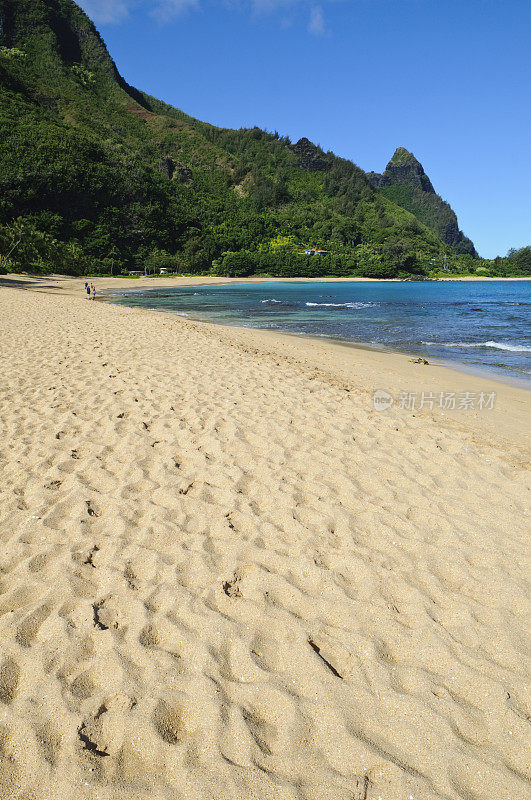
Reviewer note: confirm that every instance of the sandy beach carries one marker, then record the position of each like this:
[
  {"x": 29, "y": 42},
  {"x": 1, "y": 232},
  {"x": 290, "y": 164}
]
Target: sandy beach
[
  {"x": 64, "y": 284},
  {"x": 225, "y": 575}
]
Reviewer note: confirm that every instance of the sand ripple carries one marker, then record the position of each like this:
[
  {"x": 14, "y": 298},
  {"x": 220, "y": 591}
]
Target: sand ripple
[{"x": 223, "y": 576}]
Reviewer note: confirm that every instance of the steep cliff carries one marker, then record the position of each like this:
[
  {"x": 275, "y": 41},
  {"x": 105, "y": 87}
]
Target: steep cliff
[{"x": 406, "y": 184}]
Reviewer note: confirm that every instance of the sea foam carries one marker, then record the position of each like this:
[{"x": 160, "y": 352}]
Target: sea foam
[
  {"x": 513, "y": 348},
  {"x": 341, "y": 305}
]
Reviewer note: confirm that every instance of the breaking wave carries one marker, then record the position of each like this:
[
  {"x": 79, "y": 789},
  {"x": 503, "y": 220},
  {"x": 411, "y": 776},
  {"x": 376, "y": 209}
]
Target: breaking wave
[
  {"x": 341, "y": 305},
  {"x": 513, "y": 348}
]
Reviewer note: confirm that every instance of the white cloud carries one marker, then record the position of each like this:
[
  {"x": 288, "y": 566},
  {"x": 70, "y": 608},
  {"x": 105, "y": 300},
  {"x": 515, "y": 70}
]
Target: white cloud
[
  {"x": 105, "y": 11},
  {"x": 165, "y": 10},
  {"x": 115, "y": 11},
  {"x": 316, "y": 25}
]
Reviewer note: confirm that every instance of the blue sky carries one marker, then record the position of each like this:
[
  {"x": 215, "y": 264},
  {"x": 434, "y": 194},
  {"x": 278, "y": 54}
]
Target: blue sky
[{"x": 448, "y": 79}]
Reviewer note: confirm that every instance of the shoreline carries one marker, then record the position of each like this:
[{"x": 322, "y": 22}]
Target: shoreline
[
  {"x": 71, "y": 286},
  {"x": 455, "y": 366},
  {"x": 375, "y": 368},
  {"x": 368, "y": 370},
  {"x": 225, "y": 569},
  {"x": 66, "y": 284},
  {"x": 481, "y": 372},
  {"x": 352, "y": 361}
]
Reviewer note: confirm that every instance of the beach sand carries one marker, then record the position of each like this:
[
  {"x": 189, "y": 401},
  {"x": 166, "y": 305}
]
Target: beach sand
[{"x": 225, "y": 576}]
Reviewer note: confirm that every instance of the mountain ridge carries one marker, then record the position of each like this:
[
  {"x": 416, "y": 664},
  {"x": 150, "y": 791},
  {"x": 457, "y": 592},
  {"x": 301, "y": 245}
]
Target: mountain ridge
[{"x": 92, "y": 162}]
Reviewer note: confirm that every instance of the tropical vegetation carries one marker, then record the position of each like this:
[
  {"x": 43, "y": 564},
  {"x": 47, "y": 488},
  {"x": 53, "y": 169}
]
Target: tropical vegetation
[{"x": 97, "y": 177}]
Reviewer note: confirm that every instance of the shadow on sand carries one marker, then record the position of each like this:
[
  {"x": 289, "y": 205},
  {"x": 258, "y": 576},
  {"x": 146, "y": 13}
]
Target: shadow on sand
[{"x": 34, "y": 282}]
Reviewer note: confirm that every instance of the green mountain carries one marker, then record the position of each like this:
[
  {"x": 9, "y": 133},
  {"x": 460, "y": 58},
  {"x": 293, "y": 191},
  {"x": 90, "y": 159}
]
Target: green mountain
[
  {"x": 97, "y": 175},
  {"x": 406, "y": 184}
]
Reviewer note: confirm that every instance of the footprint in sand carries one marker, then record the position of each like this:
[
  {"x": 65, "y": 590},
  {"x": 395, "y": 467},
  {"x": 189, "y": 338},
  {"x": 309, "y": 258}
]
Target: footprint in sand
[
  {"x": 9, "y": 680},
  {"x": 91, "y": 511}
]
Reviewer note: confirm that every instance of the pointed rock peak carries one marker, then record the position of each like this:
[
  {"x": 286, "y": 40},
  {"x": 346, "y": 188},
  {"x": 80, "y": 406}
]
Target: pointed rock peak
[
  {"x": 402, "y": 156},
  {"x": 405, "y": 168},
  {"x": 310, "y": 156},
  {"x": 304, "y": 142}
]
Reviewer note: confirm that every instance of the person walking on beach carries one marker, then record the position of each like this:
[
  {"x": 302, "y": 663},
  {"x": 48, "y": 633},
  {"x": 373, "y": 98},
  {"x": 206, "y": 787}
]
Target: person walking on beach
[
  {"x": 87, "y": 289},
  {"x": 93, "y": 291}
]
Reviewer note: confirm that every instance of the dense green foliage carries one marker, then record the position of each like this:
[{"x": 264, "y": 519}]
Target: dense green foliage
[
  {"x": 98, "y": 177},
  {"x": 430, "y": 209},
  {"x": 518, "y": 262}
]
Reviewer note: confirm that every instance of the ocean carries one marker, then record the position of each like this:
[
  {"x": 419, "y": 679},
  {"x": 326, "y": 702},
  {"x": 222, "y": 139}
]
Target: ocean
[{"x": 480, "y": 326}]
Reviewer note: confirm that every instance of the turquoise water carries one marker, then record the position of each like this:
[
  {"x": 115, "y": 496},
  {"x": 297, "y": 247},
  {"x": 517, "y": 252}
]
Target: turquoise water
[{"x": 481, "y": 325}]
